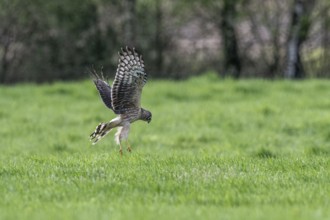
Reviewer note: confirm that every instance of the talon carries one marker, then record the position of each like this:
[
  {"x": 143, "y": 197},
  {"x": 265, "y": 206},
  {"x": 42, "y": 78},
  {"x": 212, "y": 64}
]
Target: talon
[
  {"x": 121, "y": 150},
  {"x": 129, "y": 149}
]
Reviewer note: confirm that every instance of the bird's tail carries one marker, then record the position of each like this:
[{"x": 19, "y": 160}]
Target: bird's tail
[{"x": 101, "y": 130}]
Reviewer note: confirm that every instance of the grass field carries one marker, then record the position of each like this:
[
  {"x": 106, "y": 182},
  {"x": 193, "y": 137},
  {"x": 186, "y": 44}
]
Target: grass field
[{"x": 215, "y": 149}]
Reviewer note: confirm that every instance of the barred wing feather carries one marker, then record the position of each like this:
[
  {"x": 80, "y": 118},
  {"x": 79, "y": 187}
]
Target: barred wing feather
[{"x": 129, "y": 81}]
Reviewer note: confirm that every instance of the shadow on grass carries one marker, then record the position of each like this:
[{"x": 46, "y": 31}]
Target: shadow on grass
[{"x": 264, "y": 153}]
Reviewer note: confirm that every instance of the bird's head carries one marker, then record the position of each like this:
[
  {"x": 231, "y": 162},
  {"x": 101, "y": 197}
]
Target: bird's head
[{"x": 146, "y": 115}]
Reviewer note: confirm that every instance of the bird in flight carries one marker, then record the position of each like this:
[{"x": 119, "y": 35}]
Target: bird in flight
[{"x": 123, "y": 97}]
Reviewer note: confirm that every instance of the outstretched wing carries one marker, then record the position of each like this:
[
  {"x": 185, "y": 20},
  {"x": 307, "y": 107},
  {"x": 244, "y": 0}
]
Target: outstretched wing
[
  {"x": 129, "y": 81},
  {"x": 103, "y": 88}
]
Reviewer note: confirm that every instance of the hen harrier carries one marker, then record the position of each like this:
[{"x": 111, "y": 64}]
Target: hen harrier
[{"x": 123, "y": 98}]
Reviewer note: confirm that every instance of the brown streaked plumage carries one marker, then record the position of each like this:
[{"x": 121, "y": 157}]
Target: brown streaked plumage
[{"x": 124, "y": 97}]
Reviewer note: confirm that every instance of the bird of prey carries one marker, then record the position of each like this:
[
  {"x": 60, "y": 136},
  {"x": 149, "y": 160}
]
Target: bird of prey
[{"x": 123, "y": 97}]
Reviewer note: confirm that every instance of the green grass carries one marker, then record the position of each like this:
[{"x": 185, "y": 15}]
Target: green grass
[{"x": 215, "y": 149}]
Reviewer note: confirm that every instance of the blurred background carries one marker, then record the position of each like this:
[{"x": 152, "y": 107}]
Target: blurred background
[{"x": 46, "y": 40}]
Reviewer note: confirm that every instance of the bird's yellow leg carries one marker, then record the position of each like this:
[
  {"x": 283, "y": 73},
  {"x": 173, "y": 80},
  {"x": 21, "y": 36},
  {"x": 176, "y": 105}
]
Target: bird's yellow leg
[{"x": 128, "y": 147}]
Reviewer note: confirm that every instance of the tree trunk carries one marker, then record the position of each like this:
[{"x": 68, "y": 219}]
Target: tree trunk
[
  {"x": 300, "y": 23},
  {"x": 232, "y": 62},
  {"x": 159, "y": 44},
  {"x": 129, "y": 22},
  {"x": 324, "y": 72}
]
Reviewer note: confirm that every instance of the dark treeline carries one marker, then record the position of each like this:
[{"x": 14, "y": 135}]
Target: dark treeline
[{"x": 44, "y": 40}]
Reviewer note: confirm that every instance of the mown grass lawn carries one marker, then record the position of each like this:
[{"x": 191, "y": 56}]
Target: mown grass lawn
[{"x": 215, "y": 149}]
